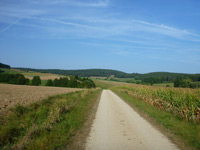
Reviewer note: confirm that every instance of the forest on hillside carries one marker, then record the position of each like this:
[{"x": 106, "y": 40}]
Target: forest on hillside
[
  {"x": 154, "y": 77},
  {"x": 4, "y": 66}
]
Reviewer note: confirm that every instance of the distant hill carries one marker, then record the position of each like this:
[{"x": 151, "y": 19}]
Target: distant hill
[
  {"x": 168, "y": 75},
  {"x": 4, "y": 66},
  {"x": 155, "y": 77},
  {"x": 82, "y": 73}
]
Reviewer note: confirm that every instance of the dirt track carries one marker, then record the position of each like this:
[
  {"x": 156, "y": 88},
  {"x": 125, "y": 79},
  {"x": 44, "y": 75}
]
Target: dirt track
[{"x": 118, "y": 127}]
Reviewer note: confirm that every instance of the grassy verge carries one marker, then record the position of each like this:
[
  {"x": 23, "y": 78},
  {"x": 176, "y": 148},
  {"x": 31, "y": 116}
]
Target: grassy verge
[
  {"x": 188, "y": 132},
  {"x": 48, "y": 124}
]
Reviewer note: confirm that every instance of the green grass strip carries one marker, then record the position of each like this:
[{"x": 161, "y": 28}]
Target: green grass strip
[
  {"x": 188, "y": 132},
  {"x": 48, "y": 124}
]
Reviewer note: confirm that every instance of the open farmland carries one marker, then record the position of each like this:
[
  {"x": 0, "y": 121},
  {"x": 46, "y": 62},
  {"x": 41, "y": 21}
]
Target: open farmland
[{"x": 11, "y": 95}]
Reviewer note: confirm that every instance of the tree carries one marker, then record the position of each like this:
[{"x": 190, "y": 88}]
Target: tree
[
  {"x": 49, "y": 82},
  {"x": 27, "y": 81},
  {"x": 36, "y": 80},
  {"x": 56, "y": 82},
  {"x": 186, "y": 82},
  {"x": 87, "y": 83},
  {"x": 5, "y": 77},
  {"x": 73, "y": 82},
  {"x": 21, "y": 79},
  {"x": 177, "y": 83},
  {"x": 64, "y": 82},
  {"x": 183, "y": 83},
  {"x": 13, "y": 78}
]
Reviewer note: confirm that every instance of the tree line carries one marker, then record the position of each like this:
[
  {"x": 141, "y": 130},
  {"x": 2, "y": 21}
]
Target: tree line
[
  {"x": 72, "y": 81},
  {"x": 18, "y": 79},
  {"x": 13, "y": 79}
]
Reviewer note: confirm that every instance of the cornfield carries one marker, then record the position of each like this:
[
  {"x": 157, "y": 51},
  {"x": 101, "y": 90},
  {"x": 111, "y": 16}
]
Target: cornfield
[{"x": 184, "y": 103}]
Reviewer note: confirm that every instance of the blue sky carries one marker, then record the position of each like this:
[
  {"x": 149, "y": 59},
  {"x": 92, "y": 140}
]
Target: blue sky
[{"x": 130, "y": 35}]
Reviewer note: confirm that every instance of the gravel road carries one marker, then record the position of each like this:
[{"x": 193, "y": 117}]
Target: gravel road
[{"x": 118, "y": 127}]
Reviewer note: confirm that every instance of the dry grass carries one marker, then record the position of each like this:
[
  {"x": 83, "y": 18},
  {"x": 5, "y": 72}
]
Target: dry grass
[
  {"x": 43, "y": 76},
  {"x": 11, "y": 95}
]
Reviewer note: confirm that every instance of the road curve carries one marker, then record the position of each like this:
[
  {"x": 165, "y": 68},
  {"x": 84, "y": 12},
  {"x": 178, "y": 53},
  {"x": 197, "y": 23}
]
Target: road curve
[{"x": 118, "y": 127}]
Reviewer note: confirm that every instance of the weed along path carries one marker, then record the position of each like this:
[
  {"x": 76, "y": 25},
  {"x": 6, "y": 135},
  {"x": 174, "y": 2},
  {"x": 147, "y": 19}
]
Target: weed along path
[{"x": 118, "y": 127}]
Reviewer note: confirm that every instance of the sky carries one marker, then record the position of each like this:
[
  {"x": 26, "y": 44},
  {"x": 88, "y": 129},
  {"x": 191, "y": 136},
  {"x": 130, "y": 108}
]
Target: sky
[{"x": 127, "y": 35}]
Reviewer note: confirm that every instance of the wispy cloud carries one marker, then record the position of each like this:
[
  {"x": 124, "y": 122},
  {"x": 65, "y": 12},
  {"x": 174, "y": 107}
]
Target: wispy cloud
[
  {"x": 90, "y": 24},
  {"x": 64, "y": 22},
  {"x": 167, "y": 30},
  {"x": 47, "y": 20},
  {"x": 76, "y": 3},
  {"x": 122, "y": 53},
  {"x": 10, "y": 25},
  {"x": 99, "y": 3}
]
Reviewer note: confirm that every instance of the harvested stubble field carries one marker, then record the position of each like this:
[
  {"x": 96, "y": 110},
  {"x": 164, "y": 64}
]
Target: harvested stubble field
[
  {"x": 11, "y": 95},
  {"x": 43, "y": 76}
]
